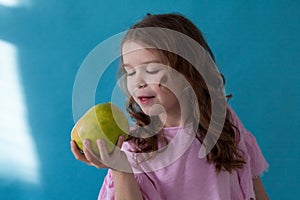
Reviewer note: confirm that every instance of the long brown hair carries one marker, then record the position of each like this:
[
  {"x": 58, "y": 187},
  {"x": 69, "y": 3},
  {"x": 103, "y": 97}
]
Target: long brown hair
[{"x": 224, "y": 155}]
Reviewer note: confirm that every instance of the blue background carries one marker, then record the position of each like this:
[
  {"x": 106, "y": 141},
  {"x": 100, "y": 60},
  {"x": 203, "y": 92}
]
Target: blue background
[{"x": 256, "y": 44}]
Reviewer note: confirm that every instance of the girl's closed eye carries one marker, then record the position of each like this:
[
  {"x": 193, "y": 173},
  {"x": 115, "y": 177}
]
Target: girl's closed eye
[
  {"x": 152, "y": 71},
  {"x": 154, "y": 68},
  {"x": 129, "y": 71}
]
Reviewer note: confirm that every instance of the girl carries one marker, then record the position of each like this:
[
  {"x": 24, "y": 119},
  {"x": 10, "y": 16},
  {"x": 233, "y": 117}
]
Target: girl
[{"x": 187, "y": 142}]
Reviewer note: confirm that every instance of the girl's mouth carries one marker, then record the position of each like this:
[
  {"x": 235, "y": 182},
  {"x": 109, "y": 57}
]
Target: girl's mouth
[{"x": 145, "y": 99}]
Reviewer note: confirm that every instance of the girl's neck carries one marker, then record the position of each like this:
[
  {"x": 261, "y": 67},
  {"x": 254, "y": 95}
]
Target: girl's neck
[
  {"x": 174, "y": 120},
  {"x": 178, "y": 117}
]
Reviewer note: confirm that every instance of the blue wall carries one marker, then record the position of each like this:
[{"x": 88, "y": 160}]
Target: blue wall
[{"x": 256, "y": 44}]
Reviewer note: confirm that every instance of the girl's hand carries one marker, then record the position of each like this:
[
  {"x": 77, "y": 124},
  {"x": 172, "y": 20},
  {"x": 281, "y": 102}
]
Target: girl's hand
[
  {"x": 115, "y": 160},
  {"x": 78, "y": 154}
]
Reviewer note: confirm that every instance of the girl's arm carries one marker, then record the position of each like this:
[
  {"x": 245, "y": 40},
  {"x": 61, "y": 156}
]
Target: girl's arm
[
  {"x": 126, "y": 186},
  {"x": 259, "y": 189}
]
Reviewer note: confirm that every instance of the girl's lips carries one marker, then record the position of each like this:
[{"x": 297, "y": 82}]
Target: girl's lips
[{"x": 145, "y": 99}]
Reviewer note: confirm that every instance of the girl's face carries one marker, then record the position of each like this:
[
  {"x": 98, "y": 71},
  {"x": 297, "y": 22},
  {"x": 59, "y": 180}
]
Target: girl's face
[{"x": 149, "y": 81}]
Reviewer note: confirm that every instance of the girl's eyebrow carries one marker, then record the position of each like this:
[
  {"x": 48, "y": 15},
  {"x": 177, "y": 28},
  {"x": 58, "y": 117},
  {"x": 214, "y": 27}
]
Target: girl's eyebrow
[{"x": 143, "y": 63}]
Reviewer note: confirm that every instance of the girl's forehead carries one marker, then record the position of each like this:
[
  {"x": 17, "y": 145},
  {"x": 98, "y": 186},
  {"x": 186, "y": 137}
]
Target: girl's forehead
[
  {"x": 133, "y": 53},
  {"x": 131, "y": 46}
]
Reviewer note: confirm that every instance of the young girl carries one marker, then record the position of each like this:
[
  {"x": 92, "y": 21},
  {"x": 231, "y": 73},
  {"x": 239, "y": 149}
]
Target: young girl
[{"x": 187, "y": 142}]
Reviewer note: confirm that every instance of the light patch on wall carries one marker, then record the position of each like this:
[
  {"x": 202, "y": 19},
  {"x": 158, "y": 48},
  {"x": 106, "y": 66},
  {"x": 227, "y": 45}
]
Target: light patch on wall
[
  {"x": 14, "y": 3},
  {"x": 18, "y": 157}
]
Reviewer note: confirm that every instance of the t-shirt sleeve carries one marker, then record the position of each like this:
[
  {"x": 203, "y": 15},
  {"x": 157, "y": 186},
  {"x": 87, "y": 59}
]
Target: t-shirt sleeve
[
  {"x": 148, "y": 190},
  {"x": 255, "y": 161},
  {"x": 107, "y": 189},
  {"x": 249, "y": 146}
]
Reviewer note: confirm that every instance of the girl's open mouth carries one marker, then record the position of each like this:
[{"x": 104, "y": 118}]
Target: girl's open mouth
[{"x": 145, "y": 99}]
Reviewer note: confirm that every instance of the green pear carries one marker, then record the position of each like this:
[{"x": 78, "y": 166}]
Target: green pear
[{"x": 102, "y": 121}]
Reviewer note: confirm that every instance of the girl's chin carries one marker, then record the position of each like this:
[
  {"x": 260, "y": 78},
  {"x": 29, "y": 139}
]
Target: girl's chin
[{"x": 154, "y": 110}]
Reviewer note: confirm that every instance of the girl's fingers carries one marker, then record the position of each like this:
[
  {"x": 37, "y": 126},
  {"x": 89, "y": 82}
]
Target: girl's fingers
[
  {"x": 88, "y": 152},
  {"x": 87, "y": 157},
  {"x": 102, "y": 150},
  {"x": 116, "y": 159},
  {"x": 120, "y": 141},
  {"x": 102, "y": 161}
]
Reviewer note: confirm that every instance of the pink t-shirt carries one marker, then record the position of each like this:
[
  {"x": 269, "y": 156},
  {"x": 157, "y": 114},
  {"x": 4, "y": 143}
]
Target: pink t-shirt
[{"x": 177, "y": 172}]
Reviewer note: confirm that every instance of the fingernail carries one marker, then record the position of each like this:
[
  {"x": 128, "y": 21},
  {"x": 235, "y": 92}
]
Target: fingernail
[
  {"x": 100, "y": 141},
  {"x": 85, "y": 142}
]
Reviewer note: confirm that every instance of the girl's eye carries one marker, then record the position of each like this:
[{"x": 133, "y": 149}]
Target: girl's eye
[
  {"x": 154, "y": 68},
  {"x": 152, "y": 71},
  {"x": 130, "y": 73}
]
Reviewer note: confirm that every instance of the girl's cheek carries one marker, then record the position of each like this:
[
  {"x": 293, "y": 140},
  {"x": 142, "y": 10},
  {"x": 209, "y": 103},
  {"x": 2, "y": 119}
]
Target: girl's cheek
[
  {"x": 130, "y": 87},
  {"x": 155, "y": 79}
]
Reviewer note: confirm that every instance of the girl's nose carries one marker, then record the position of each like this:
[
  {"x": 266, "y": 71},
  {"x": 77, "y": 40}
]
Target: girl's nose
[
  {"x": 140, "y": 79},
  {"x": 141, "y": 84}
]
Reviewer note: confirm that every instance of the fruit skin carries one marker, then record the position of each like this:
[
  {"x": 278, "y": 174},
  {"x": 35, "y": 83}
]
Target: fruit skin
[{"x": 105, "y": 121}]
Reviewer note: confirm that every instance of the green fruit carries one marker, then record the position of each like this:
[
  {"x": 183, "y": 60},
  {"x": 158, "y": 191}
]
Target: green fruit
[{"x": 103, "y": 121}]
